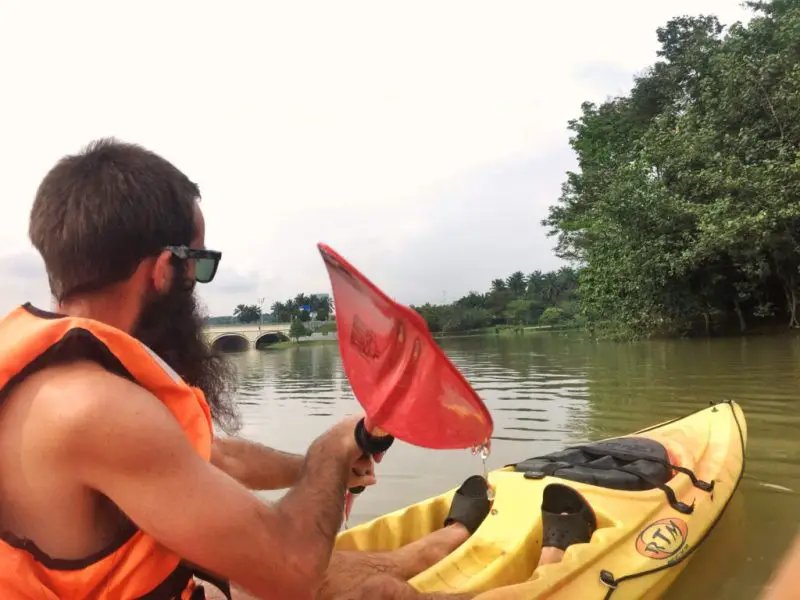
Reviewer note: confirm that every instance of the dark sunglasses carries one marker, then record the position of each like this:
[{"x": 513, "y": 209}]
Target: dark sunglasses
[{"x": 206, "y": 261}]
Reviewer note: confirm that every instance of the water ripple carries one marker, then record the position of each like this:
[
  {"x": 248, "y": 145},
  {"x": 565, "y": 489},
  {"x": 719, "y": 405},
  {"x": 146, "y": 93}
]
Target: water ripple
[{"x": 546, "y": 391}]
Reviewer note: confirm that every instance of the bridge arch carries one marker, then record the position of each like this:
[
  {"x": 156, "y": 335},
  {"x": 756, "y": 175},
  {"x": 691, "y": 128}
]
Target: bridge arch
[
  {"x": 231, "y": 342},
  {"x": 269, "y": 338}
]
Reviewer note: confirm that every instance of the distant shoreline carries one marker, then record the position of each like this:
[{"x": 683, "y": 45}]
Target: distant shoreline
[{"x": 504, "y": 331}]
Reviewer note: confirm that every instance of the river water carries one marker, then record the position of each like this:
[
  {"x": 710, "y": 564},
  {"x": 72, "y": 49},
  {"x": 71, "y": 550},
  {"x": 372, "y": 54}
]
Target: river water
[{"x": 546, "y": 390}]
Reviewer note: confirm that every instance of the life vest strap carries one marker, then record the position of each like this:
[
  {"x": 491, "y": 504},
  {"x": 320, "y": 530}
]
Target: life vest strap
[{"x": 222, "y": 585}]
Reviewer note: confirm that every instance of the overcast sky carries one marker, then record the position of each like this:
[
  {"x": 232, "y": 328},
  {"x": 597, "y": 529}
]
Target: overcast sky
[{"x": 423, "y": 140}]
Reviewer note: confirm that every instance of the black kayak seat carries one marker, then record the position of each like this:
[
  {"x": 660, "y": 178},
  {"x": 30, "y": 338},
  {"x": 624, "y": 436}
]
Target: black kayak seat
[{"x": 628, "y": 463}]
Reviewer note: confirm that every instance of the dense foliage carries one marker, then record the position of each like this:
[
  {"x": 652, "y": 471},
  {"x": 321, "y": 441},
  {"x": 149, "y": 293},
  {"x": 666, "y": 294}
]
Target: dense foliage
[
  {"x": 685, "y": 213},
  {"x": 247, "y": 313},
  {"x": 298, "y": 330},
  {"x": 302, "y": 307},
  {"x": 544, "y": 298}
]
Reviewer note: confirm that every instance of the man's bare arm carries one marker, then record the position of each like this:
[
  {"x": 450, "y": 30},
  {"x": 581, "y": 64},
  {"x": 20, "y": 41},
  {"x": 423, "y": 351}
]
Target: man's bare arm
[
  {"x": 255, "y": 466},
  {"x": 259, "y": 467},
  {"x": 121, "y": 441}
]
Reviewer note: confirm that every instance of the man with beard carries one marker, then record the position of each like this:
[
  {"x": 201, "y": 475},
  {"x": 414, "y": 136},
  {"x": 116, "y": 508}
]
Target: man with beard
[{"x": 112, "y": 484}]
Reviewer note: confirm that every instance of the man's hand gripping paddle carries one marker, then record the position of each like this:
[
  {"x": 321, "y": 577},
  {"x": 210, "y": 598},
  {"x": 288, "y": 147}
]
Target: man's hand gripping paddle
[{"x": 406, "y": 385}]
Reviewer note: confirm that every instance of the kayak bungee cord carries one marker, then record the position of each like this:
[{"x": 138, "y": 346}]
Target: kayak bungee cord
[{"x": 608, "y": 579}]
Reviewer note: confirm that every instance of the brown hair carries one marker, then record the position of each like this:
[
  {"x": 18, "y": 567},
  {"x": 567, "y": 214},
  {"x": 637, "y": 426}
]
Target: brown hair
[{"x": 97, "y": 214}]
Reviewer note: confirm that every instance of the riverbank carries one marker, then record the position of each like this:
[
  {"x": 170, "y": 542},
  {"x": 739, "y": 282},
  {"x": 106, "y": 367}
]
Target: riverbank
[
  {"x": 302, "y": 342},
  {"x": 516, "y": 331},
  {"x": 502, "y": 330}
]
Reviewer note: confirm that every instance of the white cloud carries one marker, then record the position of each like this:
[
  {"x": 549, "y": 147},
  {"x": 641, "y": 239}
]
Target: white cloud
[{"x": 367, "y": 125}]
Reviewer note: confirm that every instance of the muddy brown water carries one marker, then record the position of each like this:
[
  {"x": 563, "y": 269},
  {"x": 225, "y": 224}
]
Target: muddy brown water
[{"x": 546, "y": 390}]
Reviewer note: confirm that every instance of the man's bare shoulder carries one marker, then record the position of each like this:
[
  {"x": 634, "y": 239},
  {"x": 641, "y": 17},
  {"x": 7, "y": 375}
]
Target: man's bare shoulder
[
  {"x": 81, "y": 407},
  {"x": 66, "y": 392}
]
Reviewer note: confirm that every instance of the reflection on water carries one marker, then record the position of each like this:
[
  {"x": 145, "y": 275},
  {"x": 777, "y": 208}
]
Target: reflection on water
[{"x": 548, "y": 390}]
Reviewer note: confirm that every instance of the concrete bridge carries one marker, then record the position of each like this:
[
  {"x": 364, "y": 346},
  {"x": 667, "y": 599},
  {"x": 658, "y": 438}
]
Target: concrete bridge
[{"x": 244, "y": 336}]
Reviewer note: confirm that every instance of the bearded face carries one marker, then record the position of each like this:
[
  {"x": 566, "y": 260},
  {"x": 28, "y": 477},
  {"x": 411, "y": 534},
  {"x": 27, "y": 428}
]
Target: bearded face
[{"x": 171, "y": 325}]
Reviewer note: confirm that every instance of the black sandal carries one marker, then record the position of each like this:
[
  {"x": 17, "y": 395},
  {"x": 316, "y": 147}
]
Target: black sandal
[
  {"x": 470, "y": 504},
  {"x": 574, "y": 527}
]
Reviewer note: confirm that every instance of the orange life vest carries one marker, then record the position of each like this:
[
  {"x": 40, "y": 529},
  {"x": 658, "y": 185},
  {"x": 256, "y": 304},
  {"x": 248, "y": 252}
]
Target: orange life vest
[{"x": 137, "y": 566}]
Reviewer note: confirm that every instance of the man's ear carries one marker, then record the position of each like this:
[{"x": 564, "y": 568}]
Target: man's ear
[{"x": 163, "y": 272}]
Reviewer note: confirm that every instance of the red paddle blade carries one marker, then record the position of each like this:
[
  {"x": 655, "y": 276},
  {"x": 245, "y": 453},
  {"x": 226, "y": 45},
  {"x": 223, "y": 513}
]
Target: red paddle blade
[{"x": 399, "y": 375}]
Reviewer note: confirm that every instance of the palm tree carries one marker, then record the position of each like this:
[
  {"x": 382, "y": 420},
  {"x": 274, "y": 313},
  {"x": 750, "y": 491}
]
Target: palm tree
[
  {"x": 247, "y": 313},
  {"x": 240, "y": 310},
  {"x": 550, "y": 287},
  {"x": 535, "y": 284},
  {"x": 498, "y": 285},
  {"x": 516, "y": 283},
  {"x": 472, "y": 300}
]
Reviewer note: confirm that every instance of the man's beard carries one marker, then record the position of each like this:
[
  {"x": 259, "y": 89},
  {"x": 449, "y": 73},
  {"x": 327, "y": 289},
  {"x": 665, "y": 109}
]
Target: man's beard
[{"x": 171, "y": 325}]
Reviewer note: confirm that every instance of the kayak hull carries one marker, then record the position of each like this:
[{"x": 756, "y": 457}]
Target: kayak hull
[{"x": 641, "y": 544}]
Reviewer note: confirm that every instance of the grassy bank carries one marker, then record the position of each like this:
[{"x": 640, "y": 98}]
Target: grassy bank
[
  {"x": 302, "y": 342},
  {"x": 504, "y": 330}
]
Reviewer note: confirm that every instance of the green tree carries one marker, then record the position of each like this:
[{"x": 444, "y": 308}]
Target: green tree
[
  {"x": 685, "y": 212},
  {"x": 434, "y": 316},
  {"x": 321, "y": 306},
  {"x": 500, "y": 305},
  {"x": 281, "y": 312},
  {"x": 520, "y": 311},
  {"x": 247, "y": 313},
  {"x": 534, "y": 285},
  {"x": 298, "y": 330},
  {"x": 498, "y": 285},
  {"x": 516, "y": 284},
  {"x": 551, "y": 316},
  {"x": 472, "y": 300},
  {"x": 456, "y": 318}
]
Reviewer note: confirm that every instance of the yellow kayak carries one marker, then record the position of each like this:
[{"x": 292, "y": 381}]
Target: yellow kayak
[{"x": 656, "y": 495}]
